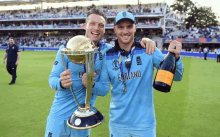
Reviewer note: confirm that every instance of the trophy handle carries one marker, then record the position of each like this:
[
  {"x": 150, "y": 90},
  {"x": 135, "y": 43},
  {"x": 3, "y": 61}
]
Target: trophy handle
[{"x": 64, "y": 66}]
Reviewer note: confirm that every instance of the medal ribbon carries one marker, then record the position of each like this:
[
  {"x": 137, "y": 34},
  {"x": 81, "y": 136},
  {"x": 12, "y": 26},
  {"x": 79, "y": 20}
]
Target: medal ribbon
[{"x": 121, "y": 65}]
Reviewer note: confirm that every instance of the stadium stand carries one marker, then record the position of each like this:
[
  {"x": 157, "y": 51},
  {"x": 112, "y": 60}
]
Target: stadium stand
[
  {"x": 70, "y": 20},
  {"x": 52, "y": 27}
]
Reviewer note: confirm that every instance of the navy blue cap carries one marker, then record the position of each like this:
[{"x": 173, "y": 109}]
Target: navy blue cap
[{"x": 124, "y": 15}]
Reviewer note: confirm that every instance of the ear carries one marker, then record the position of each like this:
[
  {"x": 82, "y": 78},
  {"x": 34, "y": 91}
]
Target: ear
[
  {"x": 135, "y": 27},
  {"x": 114, "y": 29},
  {"x": 85, "y": 25}
]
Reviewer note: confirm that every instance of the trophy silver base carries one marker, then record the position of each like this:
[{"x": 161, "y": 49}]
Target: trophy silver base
[{"x": 87, "y": 119}]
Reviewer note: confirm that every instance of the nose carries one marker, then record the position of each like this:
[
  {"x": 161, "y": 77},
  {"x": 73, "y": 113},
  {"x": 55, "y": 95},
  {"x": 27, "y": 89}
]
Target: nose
[
  {"x": 125, "y": 31},
  {"x": 96, "y": 27}
]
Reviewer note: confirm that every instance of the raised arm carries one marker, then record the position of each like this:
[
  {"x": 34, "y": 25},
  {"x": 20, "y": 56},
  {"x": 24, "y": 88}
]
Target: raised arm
[
  {"x": 54, "y": 78},
  {"x": 158, "y": 56}
]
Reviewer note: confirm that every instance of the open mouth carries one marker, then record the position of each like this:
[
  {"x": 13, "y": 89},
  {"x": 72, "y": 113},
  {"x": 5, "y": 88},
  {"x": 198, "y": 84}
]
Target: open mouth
[
  {"x": 126, "y": 36},
  {"x": 95, "y": 34}
]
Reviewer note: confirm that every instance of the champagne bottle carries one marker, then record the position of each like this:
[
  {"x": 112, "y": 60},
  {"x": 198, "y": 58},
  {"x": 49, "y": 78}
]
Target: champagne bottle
[{"x": 165, "y": 73}]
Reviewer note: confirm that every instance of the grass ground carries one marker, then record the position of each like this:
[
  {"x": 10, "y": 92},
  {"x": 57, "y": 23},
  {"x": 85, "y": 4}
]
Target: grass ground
[{"x": 191, "y": 109}]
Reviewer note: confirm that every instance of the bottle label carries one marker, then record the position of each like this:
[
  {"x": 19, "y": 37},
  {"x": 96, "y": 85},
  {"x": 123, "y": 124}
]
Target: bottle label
[{"x": 164, "y": 76}]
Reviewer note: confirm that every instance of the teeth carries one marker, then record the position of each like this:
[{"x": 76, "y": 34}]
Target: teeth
[
  {"x": 95, "y": 33},
  {"x": 125, "y": 36}
]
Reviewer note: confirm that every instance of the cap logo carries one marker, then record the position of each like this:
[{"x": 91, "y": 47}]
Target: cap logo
[{"x": 124, "y": 14}]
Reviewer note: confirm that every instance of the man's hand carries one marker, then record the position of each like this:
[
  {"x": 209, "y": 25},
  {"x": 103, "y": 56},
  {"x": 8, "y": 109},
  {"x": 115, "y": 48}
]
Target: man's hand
[
  {"x": 149, "y": 45},
  {"x": 17, "y": 62},
  {"x": 175, "y": 47},
  {"x": 65, "y": 78},
  {"x": 84, "y": 79},
  {"x": 3, "y": 61}
]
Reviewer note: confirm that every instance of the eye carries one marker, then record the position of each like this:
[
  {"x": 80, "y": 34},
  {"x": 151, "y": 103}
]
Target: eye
[
  {"x": 101, "y": 25},
  {"x": 120, "y": 27},
  {"x": 92, "y": 23},
  {"x": 130, "y": 26}
]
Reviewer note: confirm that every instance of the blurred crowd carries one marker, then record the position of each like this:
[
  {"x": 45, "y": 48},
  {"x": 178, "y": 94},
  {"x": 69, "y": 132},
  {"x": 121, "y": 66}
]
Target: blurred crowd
[
  {"x": 78, "y": 11},
  {"x": 209, "y": 32},
  {"x": 36, "y": 41},
  {"x": 153, "y": 22},
  {"x": 54, "y": 41},
  {"x": 64, "y": 12}
]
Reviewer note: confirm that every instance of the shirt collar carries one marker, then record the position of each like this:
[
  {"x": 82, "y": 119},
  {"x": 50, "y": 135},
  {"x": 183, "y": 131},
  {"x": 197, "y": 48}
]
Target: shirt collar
[
  {"x": 123, "y": 52},
  {"x": 99, "y": 44}
]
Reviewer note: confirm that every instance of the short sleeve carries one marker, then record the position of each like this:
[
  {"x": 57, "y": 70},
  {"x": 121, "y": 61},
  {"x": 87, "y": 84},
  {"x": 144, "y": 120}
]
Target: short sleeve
[{"x": 17, "y": 49}]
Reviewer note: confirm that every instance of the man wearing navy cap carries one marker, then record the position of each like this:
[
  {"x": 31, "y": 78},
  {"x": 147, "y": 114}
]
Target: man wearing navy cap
[
  {"x": 130, "y": 71},
  {"x": 13, "y": 55}
]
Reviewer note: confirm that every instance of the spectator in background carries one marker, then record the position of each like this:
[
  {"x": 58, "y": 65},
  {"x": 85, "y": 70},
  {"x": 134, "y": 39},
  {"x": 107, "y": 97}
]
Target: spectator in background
[
  {"x": 205, "y": 51},
  {"x": 13, "y": 55},
  {"x": 218, "y": 54}
]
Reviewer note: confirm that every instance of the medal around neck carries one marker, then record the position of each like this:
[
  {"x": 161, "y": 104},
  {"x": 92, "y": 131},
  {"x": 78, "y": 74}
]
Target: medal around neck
[
  {"x": 82, "y": 50},
  {"x": 128, "y": 63}
]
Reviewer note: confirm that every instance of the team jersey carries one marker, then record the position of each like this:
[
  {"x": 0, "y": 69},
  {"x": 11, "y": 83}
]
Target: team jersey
[
  {"x": 133, "y": 109},
  {"x": 12, "y": 53},
  {"x": 64, "y": 103}
]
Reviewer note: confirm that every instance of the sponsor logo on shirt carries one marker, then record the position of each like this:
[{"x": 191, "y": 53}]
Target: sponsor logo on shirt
[
  {"x": 115, "y": 65},
  {"x": 100, "y": 55},
  {"x": 49, "y": 134},
  {"x": 132, "y": 75},
  {"x": 56, "y": 62},
  {"x": 81, "y": 74}
]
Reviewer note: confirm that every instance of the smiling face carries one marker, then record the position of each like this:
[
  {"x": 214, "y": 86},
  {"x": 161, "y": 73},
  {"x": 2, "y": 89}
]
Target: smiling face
[
  {"x": 95, "y": 27},
  {"x": 125, "y": 31}
]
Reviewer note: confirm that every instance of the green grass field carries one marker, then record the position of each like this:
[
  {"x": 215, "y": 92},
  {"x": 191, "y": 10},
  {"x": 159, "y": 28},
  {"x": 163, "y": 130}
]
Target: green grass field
[{"x": 191, "y": 109}]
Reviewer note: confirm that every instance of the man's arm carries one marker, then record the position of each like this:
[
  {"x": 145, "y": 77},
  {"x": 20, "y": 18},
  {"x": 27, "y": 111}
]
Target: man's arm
[
  {"x": 175, "y": 47},
  {"x": 18, "y": 58},
  {"x": 55, "y": 75},
  {"x": 149, "y": 45},
  {"x": 6, "y": 54},
  {"x": 102, "y": 86},
  {"x": 157, "y": 57}
]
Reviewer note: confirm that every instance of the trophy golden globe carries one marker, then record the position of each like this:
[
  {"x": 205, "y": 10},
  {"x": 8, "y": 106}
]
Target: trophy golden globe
[{"x": 82, "y": 50}]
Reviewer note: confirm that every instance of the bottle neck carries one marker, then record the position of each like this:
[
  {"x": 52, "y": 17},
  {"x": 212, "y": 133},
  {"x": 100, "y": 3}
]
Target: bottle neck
[{"x": 171, "y": 55}]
